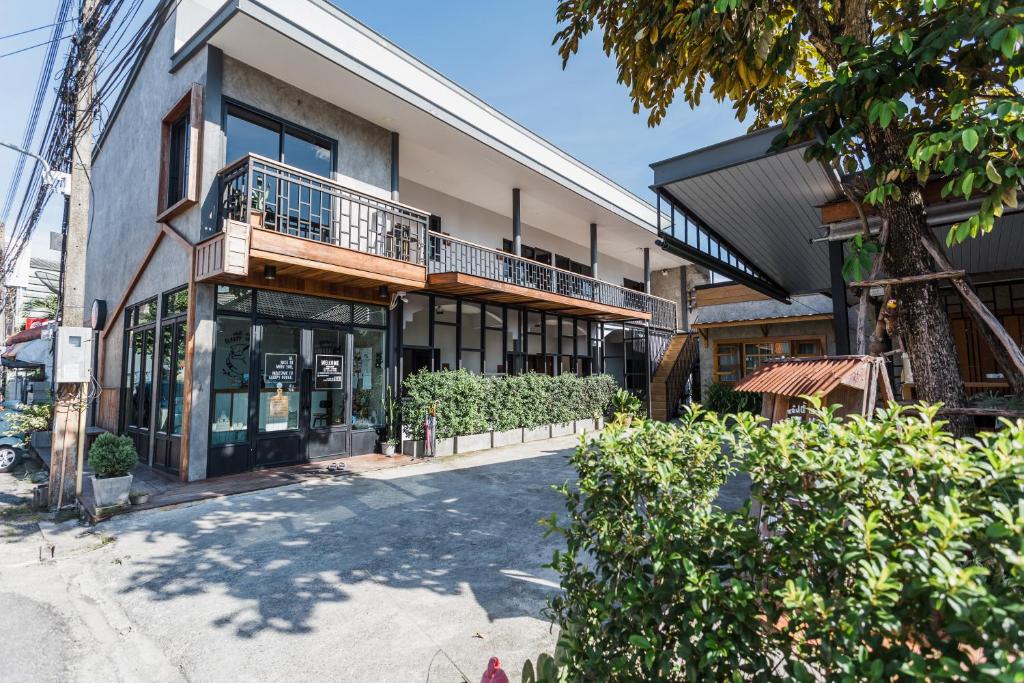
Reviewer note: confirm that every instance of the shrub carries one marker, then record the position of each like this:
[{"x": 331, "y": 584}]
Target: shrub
[
  {"x": 724, "y": 400},
  {"x": 885, "y": 550},
  {"x": 112, "y": 456},
  {"x": 469, "y": 403},
  {"x": 25, "y": 419}
]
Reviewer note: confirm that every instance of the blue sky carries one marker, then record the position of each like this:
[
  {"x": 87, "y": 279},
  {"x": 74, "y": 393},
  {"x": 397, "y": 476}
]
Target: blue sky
[{"x": 500, "y": 51}]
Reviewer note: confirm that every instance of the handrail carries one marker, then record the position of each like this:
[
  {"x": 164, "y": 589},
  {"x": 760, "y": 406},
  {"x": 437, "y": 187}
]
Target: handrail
[
  {"x": 453, "y": 254},
  {"x": 677, "y": 379},
  {"x": 275, "y": 196}
]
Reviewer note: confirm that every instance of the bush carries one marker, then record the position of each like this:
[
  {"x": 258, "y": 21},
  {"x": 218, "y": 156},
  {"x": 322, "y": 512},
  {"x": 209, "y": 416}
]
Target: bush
[
  {"x": 25, "y": 419},
  {"x": 885, "y": 550},
  {"x": 112, "y": 456},
  {"x": 469, "y": 403},
  {"x": 725, "y": 400}
]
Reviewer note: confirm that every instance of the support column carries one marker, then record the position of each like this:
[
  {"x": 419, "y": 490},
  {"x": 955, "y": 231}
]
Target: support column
[
  {"x": 840, "y": 316},
  {"x": 394, "y": 166},
  {"x": 517, "y": 224},
  {"x": 647, "y": 270},
  {"x": 593, "y": 250}
]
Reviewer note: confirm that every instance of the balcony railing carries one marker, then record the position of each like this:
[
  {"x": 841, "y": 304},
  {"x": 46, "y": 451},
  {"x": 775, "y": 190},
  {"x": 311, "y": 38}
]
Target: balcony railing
[
  {"x": 446, "y": 254},
  {"x": 264, "y": 193},
  {"x": 267, "y": 194}
]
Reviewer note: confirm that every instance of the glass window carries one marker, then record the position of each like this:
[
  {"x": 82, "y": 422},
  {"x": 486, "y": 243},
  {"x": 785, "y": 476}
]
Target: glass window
[
  {"x": 166, "y": 368},
  {"x": 810, "y": 347},
  {"x": 494, "y": 362},
  {"x": 758, "y": 354},
  {"x": 146, "y": 312},
  {"x": 471, "y": 328},
  {"x": 368, "y": 378},
  {"x": 279, "y": 367},
  {"x": 444, "y": 310},
  {"x": 444, "y": 342},
  {"x": 249, "y": 133},
  {"x": 471, "y": 361},
  {"x": 416, "y": 321},
  {"x": 234, "y": 299},
  {"x": 727, "y": 363},
  {"x": 308, "y": 153},
  {"x": 230, "y": 415},
  {"x": 179, "y": 378},
  {"x": 175, "y": 302},
  {"x": 177, "y": 159},
  {"x": 328, "y": 394}
]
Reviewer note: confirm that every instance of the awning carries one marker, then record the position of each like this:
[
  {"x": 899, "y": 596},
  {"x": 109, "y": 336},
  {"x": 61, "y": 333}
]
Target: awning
[
  {"x": 809, "y": 307},
  {"x": 30, "y": 354},
  {"x": 808, "y": 377}
]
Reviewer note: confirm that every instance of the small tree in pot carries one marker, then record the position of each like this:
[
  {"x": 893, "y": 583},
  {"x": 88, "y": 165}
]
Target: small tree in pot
[
  {"x": 112, "y": 459},
  {"x": 390, "y": 440}
]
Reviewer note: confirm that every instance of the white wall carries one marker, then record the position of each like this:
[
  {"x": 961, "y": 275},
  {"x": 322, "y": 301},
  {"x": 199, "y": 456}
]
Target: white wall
[{"x": 486, "y": 228}]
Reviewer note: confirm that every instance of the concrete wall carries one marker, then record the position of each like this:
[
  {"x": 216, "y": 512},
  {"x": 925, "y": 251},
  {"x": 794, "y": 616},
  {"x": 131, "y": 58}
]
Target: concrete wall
[
  {"x": 670, "y": 284},
  {"x": 486, "y": 228},
  {"x": 812, "y": 328},
  {"x": 363, "y": 148}
]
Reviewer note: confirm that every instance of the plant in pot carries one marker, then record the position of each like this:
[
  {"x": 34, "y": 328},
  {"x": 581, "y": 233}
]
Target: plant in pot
[
  {"x": 257, "y": 206},
  {"x": 112, "y": 459},
  {"x": 390, "y": 441},
  {"x": 625, "y": 406}
]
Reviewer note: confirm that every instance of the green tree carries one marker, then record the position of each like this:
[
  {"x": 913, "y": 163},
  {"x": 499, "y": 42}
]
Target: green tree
[
  {"x": 896, "y": 91},
  {"x": 46, "y": 303}
]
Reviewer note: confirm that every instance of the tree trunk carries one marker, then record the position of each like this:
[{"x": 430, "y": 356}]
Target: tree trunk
[{"x": 921, "y": 314}]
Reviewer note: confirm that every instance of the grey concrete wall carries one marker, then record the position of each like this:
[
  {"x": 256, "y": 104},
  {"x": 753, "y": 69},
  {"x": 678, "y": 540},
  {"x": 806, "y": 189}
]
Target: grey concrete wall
[
  {"x": 811, "y": 328},
  {"x": 669, "y": 284},
  {"x": 125, "y": 176},
  {"x": 202, "y": 360},
  {"x": 364, "y": 149}
]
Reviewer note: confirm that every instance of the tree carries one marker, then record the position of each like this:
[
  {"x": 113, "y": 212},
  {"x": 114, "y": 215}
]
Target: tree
[
  {"x": 897, "y": 91},
  {"x": 48, "y": 304}
]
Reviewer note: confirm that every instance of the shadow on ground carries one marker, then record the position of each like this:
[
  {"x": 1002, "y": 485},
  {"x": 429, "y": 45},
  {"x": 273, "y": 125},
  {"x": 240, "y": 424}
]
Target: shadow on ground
[{"x": 279, "y": 556}]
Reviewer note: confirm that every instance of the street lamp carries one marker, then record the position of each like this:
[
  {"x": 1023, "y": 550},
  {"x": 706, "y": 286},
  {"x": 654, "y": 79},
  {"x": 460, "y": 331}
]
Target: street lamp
[{"x": 55, "y": 179}]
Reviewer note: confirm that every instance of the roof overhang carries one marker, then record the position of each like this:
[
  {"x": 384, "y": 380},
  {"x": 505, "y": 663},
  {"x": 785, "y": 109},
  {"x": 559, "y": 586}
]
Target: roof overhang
[
  {"x": 445, "y": 130},
  {"x": 761, "y": 202}
]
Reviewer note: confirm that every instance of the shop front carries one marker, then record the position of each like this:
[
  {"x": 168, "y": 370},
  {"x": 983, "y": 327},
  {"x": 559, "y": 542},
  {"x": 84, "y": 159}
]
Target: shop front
[{"x": 295, "y": 379}]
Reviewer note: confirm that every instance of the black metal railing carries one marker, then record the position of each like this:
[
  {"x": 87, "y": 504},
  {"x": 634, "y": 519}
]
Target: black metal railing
[
  {"x": 446, "y": 254},
  {"x": 679, "y": 382},
  {"x": 264, "y": 193}
]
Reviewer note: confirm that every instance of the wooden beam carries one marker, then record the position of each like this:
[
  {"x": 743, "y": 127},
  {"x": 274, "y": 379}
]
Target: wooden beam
[
  {"x": 767, "y": 321},
  {"x": 909, "y": 279},
  {"x": 842, "y": 211},
  {"x": 134, "y": 280},
  {"x": 190, "y": 347}
]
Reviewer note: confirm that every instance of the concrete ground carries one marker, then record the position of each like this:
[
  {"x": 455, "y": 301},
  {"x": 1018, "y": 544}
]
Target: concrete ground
[{"x": 417, "y": 573}]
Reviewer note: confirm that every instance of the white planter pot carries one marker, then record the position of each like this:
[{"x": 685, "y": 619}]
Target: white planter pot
[
  {"x": 561, "y": 429},
  {"x": 536, "y": 433},
  {"x": 584, "y": 426},
  {"x": 416, "y": 449},
  {"x": 508, "y": 437},
  {"x": 599, "y": 423},
  {"x": 412, "y": 447},
  {"x": 445, "y": 447},
  {"x": 111, "y": 491},
  {"x": 472, "y": 442}
]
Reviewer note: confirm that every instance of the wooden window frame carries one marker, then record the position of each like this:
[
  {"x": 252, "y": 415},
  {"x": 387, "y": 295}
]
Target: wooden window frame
[
  {"x": 740, "y": 342},
  {"x": 192, "y": 104}
]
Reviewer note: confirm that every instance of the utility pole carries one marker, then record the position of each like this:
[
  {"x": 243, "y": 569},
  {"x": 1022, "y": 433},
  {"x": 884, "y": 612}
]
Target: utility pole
[{"x": 68, "y": 442}]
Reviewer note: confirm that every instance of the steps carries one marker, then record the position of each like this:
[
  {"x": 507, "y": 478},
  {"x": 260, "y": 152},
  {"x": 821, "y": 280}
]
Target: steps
[{"x": 670, "y": 379}]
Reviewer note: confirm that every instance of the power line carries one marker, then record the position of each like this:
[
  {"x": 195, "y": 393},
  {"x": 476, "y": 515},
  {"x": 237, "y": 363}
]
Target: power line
[
  {"x": 33, "y": 30},
  {"x": 32, "y": 47}
]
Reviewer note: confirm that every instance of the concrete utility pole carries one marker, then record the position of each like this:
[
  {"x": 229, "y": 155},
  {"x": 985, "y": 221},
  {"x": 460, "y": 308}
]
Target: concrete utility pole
[{"x": 68, "y": 443}]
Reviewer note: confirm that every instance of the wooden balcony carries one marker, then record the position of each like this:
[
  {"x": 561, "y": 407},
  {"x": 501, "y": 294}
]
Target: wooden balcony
[{"x": 319, "y": 237}]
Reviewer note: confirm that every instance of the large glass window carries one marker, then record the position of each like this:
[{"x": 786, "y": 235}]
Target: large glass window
[
  {"x": 736, "y": 359},
  {"x": 328, "y": 398},
  {"x": 368, "y": 378},
  {"x": 251, "y": 133},
  {"x": 177, "y": 159},
  {"x": 140, "y": 349},
  {"x": 279, "y": 366},
  {"x": 230, "y": 416}
]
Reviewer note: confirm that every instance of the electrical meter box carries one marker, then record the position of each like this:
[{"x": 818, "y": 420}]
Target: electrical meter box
[{"x": 74, "y": 355}]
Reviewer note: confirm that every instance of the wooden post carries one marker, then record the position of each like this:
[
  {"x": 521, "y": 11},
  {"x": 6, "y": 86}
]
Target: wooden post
[{"x": 190, "y": 347}]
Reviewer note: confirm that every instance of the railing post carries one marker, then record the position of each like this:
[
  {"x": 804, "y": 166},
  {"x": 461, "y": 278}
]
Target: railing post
[{"x": 248, "y": 194}]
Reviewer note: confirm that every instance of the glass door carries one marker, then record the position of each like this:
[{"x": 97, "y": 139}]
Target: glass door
[
  {"x": 282, "y": 409},
  {"x": 329, "y": 382}
]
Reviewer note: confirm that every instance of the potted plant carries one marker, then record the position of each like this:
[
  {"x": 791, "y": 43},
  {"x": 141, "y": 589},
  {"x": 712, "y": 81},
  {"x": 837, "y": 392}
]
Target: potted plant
[
  {"x": 138, "y": 497},
  {"x": 112, "y": 459},
  {"x": 257, "y": 206},
  {"x": 390, "y": 442}
]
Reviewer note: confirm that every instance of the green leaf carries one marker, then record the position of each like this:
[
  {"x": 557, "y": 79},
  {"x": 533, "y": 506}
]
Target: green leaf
[
  {"x": 992, "y": 174},
  {"x": 970, "y": 139},
  {"x": 640, "y": 642},
  {"x": 1010, "y": 196},
  {"x": 967, "y": 184}
]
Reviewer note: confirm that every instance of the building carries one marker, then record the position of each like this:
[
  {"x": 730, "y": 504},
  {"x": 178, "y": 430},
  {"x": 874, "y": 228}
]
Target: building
[
  {"x": 291, "y": 213},
  {"x": 776, "y": 224}
]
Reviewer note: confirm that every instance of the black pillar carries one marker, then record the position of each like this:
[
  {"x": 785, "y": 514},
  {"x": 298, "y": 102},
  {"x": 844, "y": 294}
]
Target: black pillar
[
  {"x": 394, "y": 166},
  {"x": 647, "y": 270},
  {"x": 840, "y": 316},
  {"x": 517, "y": 224},
  {"x": 593, "y": 250}
]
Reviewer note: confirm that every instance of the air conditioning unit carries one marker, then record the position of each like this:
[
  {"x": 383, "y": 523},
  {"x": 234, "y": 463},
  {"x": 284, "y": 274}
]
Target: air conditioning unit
[{"x": 74, "y": 355}]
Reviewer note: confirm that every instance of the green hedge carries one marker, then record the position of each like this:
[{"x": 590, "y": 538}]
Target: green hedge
[
  {"x": 723, "y": 399},
  {"x": 886, "y": 550},
  {"x": 470, "y": 403}
]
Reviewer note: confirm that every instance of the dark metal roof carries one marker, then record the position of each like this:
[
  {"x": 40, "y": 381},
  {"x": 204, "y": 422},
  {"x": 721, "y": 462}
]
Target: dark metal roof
[{"x": 763, "y": 309}]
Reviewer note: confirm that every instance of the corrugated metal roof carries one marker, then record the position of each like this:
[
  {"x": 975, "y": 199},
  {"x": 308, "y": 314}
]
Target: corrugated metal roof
[
  {"x": 765, "y": 309},
  {"x": 804, "y": 376}
]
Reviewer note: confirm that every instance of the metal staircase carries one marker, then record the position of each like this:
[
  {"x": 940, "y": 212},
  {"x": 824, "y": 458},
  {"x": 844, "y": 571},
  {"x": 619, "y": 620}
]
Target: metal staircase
[{"x": 672, "y": 384}]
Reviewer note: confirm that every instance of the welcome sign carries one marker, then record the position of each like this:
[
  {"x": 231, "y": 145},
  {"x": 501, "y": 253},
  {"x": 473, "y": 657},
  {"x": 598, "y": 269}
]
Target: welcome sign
[{"x": 330, "y": 372}]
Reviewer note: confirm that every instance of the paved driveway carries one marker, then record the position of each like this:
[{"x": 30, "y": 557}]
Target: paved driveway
[{"x": 418, "y": 573}]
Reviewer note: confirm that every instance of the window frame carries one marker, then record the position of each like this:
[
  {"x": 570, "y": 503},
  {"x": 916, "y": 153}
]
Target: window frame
[
  {"x": 282, "y": 127},
  {"x": 740, "y": 344},
  {"x": 190, "y": 105}
]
